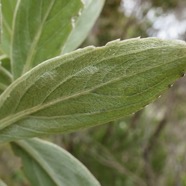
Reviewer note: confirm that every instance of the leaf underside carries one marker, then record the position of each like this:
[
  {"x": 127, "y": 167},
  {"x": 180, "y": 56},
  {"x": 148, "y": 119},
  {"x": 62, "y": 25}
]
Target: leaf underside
[{"x": 89, "y": 87}]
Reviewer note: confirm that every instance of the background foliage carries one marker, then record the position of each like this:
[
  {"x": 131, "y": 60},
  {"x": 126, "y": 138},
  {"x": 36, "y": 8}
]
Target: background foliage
[{"x": 147, "y": 148}]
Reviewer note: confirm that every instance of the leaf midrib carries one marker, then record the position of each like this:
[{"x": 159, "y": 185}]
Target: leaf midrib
[{"x": 32, "y": 50}]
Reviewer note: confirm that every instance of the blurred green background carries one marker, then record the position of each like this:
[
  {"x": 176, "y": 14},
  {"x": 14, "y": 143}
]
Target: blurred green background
[{"x": 147, "y": 148}]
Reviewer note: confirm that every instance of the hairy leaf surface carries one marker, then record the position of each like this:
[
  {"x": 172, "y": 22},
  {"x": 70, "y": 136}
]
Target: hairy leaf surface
[
  {"x": 46, "y": 164},
  {"x": 89, "y": 87},
  {"x": 83, "y": 24},
  {"x": 40, "y": 30},
  {"x": 5, "y": 77},
  {"x": 8, "y": 9}
]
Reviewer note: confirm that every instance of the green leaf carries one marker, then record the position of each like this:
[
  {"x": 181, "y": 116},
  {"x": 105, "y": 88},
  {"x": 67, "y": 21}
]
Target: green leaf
[
  {"x": 46, "y": 164},
  {"x": 40, "y": 31},
  {"x": 4, "y": 79},
  {"x": 8, "y": 8},
  {"x": 84, "y": 24},
  {"x": 2, "y": 183},
  {"x": 89, "y": 87},
  {"x": 5, "y": 62},
  {"x": 5, "y": 76}
]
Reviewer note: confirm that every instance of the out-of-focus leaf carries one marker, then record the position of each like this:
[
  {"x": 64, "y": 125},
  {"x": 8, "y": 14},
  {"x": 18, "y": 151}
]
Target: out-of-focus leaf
[
  {"x": 40, "y": 31},
  {"x": 8, "y": 9},
  {"x": 84, "y": 24},
  {"x": 5, "y": 77},
  {"x": 90, "y": 86},
  {"x": 5, "y": 62},
  {"x": 2, "y": 183},
  {"x": 46, "y": 164}
]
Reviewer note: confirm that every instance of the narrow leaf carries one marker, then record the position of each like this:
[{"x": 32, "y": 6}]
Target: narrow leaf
[
  {"x": 90, "y": 86},
  {"x": 46, "y": 164},
  {"x": 40, "y": 30},
  {"x": 8, "y": 9},
  {"x": 84, "y": 24}
]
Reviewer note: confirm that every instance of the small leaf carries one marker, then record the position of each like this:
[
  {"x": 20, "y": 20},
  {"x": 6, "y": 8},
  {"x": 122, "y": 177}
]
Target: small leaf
[
  {"x": 46, "y": 164},
  {"x": 5, "y": 62},
  {"x": 84, "y": 24},
  {"x": 2, "y": 183},
  {"x": 8, "y": 9},
  {"x": 40, "y": 31},
  {"x": 89, "y": 87},
  {"x": 5, "y": 77}
]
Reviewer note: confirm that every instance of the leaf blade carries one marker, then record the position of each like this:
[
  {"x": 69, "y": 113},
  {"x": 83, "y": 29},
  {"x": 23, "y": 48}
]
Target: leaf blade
[
  {"x": 42, "y": 37},
  {"x": 8, "y": 10},
  {"x": 89, "y": 87},
  {"x": 5, "y": 78},
  {"x": 47, "y": 164}
]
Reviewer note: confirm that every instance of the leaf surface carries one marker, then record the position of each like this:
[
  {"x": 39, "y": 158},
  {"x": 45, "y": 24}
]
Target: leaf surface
[
  {"x": 8, "y": 9},
  {"x": 83, "y": 24},
  {"x": 40, "y": 30},
  {"x": 5, "y": 76},
  {"x": 46, "y": 164},
  {"x": 89, "y": 87}
]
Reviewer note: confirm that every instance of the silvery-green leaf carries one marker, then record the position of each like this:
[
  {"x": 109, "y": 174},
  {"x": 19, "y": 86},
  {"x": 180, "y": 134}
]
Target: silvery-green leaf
[
  {"x": 46, "y": 164},
  {"x": 8, "y": 9},
  {"x": 40, "y": 30},
  {"x": 83, "y": 24},
  {"x": 89, "y": 87}
]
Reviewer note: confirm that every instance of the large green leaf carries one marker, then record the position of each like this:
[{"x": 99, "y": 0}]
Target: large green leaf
[
  {"x": 84, "y": 24},
  {"x": 46, "y": 164},
  {"x": 40, "y": 30},
  {"x": 90, "y": 86},
  {"x": 8, "y": 8}
]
